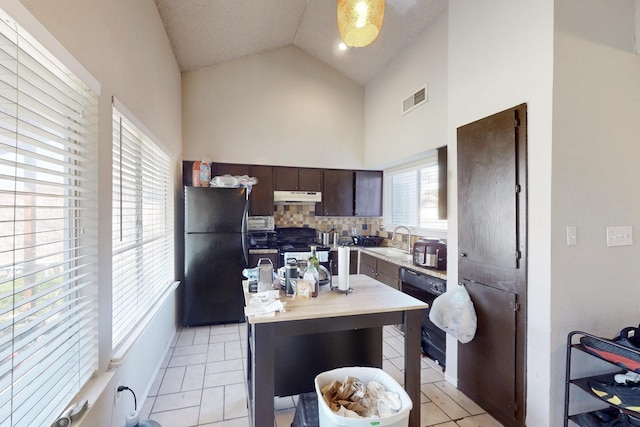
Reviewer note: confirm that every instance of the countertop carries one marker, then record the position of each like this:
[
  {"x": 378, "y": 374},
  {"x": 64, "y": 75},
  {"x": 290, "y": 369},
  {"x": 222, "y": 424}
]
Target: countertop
[
  {"x": 262, "y": 251},
  {"x": 392, "y": 255},
  {"x": 368, "y": 296},
  {"x": 401, "y": 259}
]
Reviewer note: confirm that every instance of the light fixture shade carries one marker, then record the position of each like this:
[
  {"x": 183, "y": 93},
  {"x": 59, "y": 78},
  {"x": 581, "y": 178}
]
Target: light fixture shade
[{"x": 359, "y": 21}]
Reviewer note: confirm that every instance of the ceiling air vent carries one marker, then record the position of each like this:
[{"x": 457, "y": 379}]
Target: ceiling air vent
[{"x": 415, "y": 100}]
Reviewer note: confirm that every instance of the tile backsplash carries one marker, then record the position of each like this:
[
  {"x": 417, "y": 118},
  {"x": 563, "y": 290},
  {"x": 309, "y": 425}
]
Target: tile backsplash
[{"x": 304, "y": 216}]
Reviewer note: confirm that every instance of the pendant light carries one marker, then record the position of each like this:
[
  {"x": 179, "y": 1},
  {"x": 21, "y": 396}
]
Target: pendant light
[{"x": 359, "y": 21}]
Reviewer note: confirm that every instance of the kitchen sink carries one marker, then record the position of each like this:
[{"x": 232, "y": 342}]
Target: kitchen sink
[{"x": 393, "y": 253}]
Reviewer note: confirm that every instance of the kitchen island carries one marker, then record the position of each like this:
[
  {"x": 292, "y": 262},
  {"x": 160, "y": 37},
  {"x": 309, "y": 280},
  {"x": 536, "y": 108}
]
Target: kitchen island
[{"x": 370, "y": 306}]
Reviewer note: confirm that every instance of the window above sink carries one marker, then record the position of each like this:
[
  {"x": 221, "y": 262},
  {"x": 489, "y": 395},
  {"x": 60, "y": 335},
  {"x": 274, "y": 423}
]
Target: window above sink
[{"x": 415, "y": 194}]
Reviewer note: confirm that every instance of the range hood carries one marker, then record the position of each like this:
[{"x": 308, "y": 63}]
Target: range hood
[{"x": 296, "y": 197}]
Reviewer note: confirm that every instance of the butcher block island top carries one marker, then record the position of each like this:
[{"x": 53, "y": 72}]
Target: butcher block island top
[
  {"x": 368, "y": 296},
  {"x": 329, "y": 324}
]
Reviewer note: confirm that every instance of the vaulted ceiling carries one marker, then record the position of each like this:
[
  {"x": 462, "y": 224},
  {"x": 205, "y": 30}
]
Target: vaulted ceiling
[{"x": 208, "y": 32}]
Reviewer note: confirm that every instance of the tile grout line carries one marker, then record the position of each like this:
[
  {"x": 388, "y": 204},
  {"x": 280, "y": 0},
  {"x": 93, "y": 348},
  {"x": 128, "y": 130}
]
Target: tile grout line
[{"x": 286, "y": 413}]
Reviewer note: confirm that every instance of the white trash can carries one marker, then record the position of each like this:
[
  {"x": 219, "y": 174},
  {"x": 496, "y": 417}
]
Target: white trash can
[{"x": 328, "y": 418}]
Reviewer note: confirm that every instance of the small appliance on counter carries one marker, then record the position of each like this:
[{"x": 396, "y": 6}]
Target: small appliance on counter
[
  {"x": 367, "y": 240},
  {"x": 261, "y": 232},
  {"x": 430, "y": 253},
  {"x": 260, "y": 223}
]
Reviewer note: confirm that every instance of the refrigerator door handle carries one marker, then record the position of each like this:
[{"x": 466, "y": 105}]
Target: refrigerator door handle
[
  {"x": 245, "y": 246},
  {"x": 245, "y": 250}
]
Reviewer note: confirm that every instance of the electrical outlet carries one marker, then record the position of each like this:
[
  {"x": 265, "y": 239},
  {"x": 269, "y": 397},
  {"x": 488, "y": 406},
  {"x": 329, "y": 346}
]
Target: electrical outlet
[{"x": 116, "y": 395}]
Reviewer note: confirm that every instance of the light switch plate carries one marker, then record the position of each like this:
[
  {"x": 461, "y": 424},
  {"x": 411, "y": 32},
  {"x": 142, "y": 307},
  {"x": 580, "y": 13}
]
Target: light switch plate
[
  {"x": 620, "y": 236},
  {"x": 572, "y": 235}
]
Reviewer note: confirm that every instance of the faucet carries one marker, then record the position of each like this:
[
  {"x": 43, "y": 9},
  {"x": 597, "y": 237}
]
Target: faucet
[{"x": 409, "y": 231}]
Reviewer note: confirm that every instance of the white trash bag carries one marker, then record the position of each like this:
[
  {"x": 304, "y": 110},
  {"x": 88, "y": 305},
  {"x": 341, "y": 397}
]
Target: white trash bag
[{"x": 453, "y": 312}]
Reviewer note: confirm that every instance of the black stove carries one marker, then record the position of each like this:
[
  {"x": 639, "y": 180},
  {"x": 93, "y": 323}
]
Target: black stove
[
  {"x": 294, "y": 239},
  {"x": 296, "y": 242}
]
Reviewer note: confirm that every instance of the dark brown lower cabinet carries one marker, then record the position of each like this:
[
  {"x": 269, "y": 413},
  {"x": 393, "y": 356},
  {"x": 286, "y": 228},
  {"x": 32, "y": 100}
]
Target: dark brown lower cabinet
[
  {"x": 368, "y": 265},
  {"x": 381, "y": 270},
  {"x": 389, "y": 274},
  {"x": 353, "y": 262}
]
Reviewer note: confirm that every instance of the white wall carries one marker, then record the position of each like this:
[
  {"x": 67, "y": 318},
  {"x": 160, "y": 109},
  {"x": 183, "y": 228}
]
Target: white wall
[
  {"x": 282, "y": 107},
  {"x": 637, "y": 36},
  {"x": 123, "y": 45},
  {"x": 595, "y": 174},
  {"x": 390, "y": 136}
]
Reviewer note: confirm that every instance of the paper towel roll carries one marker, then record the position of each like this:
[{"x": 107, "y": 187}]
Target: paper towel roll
[
  {"x": 343, "y": 268},
  {"x": 132, "y": 419}
]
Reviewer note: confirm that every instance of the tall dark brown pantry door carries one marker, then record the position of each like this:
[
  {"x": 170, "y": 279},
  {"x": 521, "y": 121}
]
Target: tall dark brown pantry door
[{"x": 492, "y": 261}]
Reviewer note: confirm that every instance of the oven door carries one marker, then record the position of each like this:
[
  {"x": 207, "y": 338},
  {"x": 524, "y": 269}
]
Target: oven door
[{"x": 323, "y": 257}]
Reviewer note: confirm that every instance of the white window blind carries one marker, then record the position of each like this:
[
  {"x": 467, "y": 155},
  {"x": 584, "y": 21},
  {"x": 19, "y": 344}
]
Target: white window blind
[
  {"x": 143, "y": 223},
  {"x": 411, "y": 197},
  {"x": 48, "y": 232}
]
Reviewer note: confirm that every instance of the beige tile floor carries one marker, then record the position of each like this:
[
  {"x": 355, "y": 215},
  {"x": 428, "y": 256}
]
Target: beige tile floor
[{"x": 201, "y": 384}]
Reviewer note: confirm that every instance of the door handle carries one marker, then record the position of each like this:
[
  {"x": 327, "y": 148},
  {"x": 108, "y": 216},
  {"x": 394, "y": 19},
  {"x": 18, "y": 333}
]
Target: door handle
[{"x": 463, "y": 254}]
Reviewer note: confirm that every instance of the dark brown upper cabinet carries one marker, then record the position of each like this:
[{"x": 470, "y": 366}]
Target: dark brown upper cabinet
[
  {"x": 368, "y": 189},
  {"x": 261, "y": 198},
  {"x": 216, "y": 169},
  {"x": 233, "y": 169},
  {"x": 187, "y": 173},
  {"x": 303, "y": 179},
  {"x": 337, "y": 195},
  {"x": 309, "y": 179},
  {"x": 285, "y": 178},
  {"x": 344, "y": 192}
]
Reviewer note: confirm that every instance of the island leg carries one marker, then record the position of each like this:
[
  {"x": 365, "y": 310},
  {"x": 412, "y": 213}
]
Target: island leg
[
  {"x": 412, "y": 363},
  {"x": 263, "y": 385}
]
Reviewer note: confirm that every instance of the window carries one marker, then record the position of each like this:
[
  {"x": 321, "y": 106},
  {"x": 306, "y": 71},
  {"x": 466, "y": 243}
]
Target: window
[
  {"x": 143, "y": 240},
  {"x": 412, "y": 197},
  {"x": 48, "y": 231}
]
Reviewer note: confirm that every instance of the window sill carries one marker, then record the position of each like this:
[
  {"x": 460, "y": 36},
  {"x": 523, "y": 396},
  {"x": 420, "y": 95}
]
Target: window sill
[
  {"x": 120, "y": 355},
  {"x": 92, "y": 392}
]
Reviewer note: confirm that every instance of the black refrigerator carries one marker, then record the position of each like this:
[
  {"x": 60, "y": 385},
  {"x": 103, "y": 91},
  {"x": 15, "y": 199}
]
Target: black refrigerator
[{"x": 215, "y": 253}]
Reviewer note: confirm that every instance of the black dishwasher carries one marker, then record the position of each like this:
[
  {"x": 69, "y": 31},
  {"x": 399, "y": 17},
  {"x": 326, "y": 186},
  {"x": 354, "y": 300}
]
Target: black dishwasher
[{"x": 426, "y": 288}]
